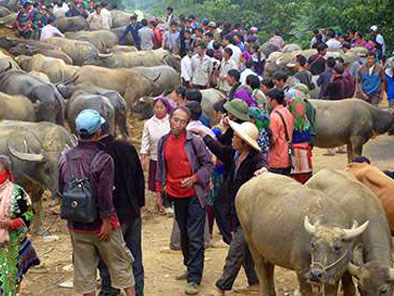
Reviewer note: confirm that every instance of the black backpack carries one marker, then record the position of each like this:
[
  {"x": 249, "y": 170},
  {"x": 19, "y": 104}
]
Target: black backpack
[{"x": 79, "y": 196}]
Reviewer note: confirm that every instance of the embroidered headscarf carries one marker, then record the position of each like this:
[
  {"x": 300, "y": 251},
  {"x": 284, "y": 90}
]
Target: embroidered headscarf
[
  {"x": 6, "y": 191},
  {"x": 297, "y": 107},
  {"x": 261, "y": 118}
]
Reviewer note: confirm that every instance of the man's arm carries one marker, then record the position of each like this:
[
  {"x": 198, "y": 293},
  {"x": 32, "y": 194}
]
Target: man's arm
[{"x": 203, "y": 174}]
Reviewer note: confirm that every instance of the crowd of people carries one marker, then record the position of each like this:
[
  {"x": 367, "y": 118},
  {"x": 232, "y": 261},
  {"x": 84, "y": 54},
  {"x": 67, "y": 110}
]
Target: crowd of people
[{"x": 197, "y": 162}]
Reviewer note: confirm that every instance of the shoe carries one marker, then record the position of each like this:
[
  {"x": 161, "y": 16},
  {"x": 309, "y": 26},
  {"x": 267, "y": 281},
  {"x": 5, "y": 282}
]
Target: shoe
[
  {"x": 219, "y": 245},
  {"x": 216, "y": 292},
  {"x": 182, "y": 277},
  {"x": 169, "y": 211},
  {"x": 169, "y": 250},
  {"x": 192, "y": 289},
  {"x": 247, "y": 290}
]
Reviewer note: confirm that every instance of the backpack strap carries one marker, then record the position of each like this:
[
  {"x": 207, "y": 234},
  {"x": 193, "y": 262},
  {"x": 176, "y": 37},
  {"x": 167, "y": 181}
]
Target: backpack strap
[{"x": 284, "y": 124}]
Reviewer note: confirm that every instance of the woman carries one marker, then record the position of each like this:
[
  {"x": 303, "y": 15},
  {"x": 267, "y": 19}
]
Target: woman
[
  {"x": 254, "y": 82},
  {"x": 245, "y": 158},
  {"x": 23, "y": 22},
  {"x": 154, "y": 129},
  {"x": 262, "y": 121},
  {"x": 17, "y": 254},
  {"x": 178, "y": 96}
]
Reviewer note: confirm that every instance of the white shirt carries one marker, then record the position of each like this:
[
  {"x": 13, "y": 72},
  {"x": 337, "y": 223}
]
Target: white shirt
[
  {"x": 154, "y": 129},
  {"x": 50, "y": 31},
  {"x": 107, "y": 19},
  {"x": 333, "y": 44},
  {"x": 236, "y": 57},
  {"x": 245, "y": 73},
  {"x": 225, "y": 66},
  {"x": 198, "y": 125},
  {"x": 186, "y": 68},
  {"x": 380, "y": 40},
  {"x": 202, "y": 68}
]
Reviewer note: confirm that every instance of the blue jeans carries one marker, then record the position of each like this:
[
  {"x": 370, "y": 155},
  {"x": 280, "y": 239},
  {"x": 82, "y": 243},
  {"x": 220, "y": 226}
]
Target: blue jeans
[
  {"x": 191, "y": 217},
  {"x": 132, "y": 237}
]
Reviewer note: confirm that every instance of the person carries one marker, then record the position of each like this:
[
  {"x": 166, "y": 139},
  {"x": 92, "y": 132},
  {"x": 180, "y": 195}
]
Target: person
[
  {"x": 245, "y": 158},
  {"x": 209, "y": 40},
  {"x": 277, "y": 40},
  {"x": 133, "y": 28},
  {"x": 170, "y": 18},
  {"x": 96, "y": 20},
  {"x": 358, "y": 40},
  {"x": 266, "y": 85},
  {"x": 50, "y": 14},
  {"x": 254, "y": 83},
  {"x": 34, "y": 16},
  {"x": 282, "y": 127},
  {"x": 106, "y": 15},
  {"x": 238, "y": 42},
  {"x": 50, "y": 30},
  {"x": 154, "y": 128},
  {"x": 316, "y": 39},
  {"x": 325, "y": 78},
  {"x": 302, "y": 74},
  {"x": 379, "y": 42},
  {"x": 238, "y": 90},
  {"x": 262, "y": 121},
  {"x": 336, "y": 88},
  {"x": 17, "y": 254},
  {"x": 129, "y": 198},
  {"x": 23, "y": 23},
  {"x": 157, "y": 34},
  {"x": 332, "y": 43},
  {"x": 350, "y": 82},
  {"x": 202, "y": 66},
  {"x": 185, "y": 166},
  {"x": 72, "y": 10},
  {"x": 280, "y": 81},
  {"x": 226, "y": 65},
  {"x": 389, "y": 77},
  {"x": 247, "y": 71},
  {"x": 370, "y": 81},
  {"x": 187, "y": 42},
  {"x": 227, "y": 42},
  {"x": 101, "y": 238},
  {"x": 171, "y": 39},
  {"x": 187, "y": 69},
  {"x": 195, "y": 122},
  {"x": 146, "y": 36},
  {"x": 317, "y": 62},
  {"x": 178, "y": 96}
]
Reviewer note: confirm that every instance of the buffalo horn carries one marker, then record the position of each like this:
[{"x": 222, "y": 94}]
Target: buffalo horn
[
  {"x": 355, "y": 231},
  {"x": 25, "y": 156},
  {"x": 105, "y": 55},
  {"x": 309, "y": 227},
  {"x": 353, "y": 269}
]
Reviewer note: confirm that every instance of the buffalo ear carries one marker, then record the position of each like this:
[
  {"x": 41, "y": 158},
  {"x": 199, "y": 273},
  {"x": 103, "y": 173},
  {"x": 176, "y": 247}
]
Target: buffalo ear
[{"x": 358, "y": 257}]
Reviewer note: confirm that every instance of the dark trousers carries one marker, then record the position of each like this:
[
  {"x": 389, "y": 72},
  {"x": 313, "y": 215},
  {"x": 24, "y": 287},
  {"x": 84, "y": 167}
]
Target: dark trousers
[
  {"x": 190, "y": 216},
  {"x": 222, "y": 210},
  {"x": 281, "y": 171},
  {"x": 238, "y": 255},
  {"x": 132, "y": 237}
]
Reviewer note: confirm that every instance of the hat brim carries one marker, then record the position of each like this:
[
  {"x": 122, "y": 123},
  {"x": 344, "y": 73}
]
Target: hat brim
[
  {"x": 235, "y": 112},
  {"x": 290, "y": 65},
  {"x": 245, "y": 137}
]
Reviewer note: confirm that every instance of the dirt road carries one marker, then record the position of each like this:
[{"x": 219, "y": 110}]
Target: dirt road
[{"x": 160, "y": 269}]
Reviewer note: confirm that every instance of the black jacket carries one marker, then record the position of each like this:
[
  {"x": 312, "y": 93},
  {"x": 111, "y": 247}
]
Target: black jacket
[{"x": 129, "y": 193}]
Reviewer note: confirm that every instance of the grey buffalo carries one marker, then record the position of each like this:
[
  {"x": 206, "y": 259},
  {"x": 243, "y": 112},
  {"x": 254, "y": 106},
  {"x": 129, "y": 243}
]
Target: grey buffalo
[
  {"x": 71, "y": 24},
  {"x": 16, "y": 108},
  {"x": 285, "y": 223},
  {"x": 103, "y": 40},
  {"x": 168, "y": 78}
]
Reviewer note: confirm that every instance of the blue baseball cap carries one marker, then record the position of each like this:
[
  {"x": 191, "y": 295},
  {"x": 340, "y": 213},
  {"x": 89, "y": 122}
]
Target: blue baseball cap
[{"x": 88, "y": 122}]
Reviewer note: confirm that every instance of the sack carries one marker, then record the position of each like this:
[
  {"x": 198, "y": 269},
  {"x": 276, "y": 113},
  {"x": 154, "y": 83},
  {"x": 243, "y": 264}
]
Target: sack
[
  {"x": 303, "y": 159},
  {"x": 79, "y": 197},
  {"x": 292, "y": 159}
]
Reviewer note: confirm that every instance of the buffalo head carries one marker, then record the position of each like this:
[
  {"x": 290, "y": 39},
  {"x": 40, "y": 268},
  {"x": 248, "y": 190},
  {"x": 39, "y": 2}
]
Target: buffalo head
[
  {"x": 374, "y": 277},
  {"x": 331, "y": 250}
]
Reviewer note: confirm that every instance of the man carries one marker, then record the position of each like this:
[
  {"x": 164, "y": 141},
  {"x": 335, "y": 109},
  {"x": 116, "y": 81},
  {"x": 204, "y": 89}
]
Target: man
[
  {"x": 248, "y": 71},
  {"x": 226, "y": 65},
  {"x": 332, "y": 43},
  {"x": 95, "y": 20},
  {"x": 227, "y": 42},
  {"x": 280, "y": 82},
  {"x": 336, "y": 88},
  {"x": 101, "y": 238},
  {"x": 277, "y": 40},
  {"x": 133, "y": 28},
  {"x": 50, "y": 30},
  {"x": 170, "y": 15},
  {"x": 129, "y": 198},
  {"x": 281, "y": 124},
  {"x": 380, "y": 44},
  {"x": 238, "y": 42},
  {"x": 389, "y": 76},
  {"x": 145, "y": 34},
  {"x": 185, "y": 166},
  {"x": 239, "y": 91},
  {"x": 202, "y": 66},
  {"x": 370, "y": 81},
  {"x": 317, "y": 62},
  {"x": 187, "y": 68},
  {"x": 172, "y": 39},
  {"x": 72, "y": 10},
  {"x": 106, "y": 15},
  {"x": 209, "y": 40},
  {"x": 325, "y": 78},
  {"x": 302, "y": 74}
]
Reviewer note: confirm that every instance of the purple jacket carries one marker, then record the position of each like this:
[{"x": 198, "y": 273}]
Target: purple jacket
[
  {"x": 199, "y": 159},
  {"x": 243, "y": 94}
]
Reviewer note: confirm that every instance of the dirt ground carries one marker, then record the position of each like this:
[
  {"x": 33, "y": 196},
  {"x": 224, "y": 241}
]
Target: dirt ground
[{"x": 161, "y": 268}]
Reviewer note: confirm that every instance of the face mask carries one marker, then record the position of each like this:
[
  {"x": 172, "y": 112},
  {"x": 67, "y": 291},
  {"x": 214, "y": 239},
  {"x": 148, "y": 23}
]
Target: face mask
[{"x": 3, "y": 177}]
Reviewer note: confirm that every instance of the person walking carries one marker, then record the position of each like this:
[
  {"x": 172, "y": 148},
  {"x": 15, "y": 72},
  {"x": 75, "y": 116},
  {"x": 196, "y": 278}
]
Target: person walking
[
  {"x": 146, "y": 36},
  {"x": 17, "y": 254},
  {"x": 184, "y": 167},
  {"x": 129, "y": 198},
  {"x": 101, "y": 238},
  {"x": 172, "y": 39},
  {"x": 133, "y": 28}
]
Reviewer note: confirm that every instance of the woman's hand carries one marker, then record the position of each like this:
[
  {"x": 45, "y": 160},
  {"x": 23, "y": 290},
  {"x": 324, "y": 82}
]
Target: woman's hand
[
  {"x": 199, "y": 132},
  {"x": 5, "y": 223},
  {"x": 159, "y": 203},
  {"x": 261, "y": 171}
]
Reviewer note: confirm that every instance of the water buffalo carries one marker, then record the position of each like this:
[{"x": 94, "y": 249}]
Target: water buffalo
[
  {"x": 16, "y": 108},
  {"x": 124, "y": 48},
  {"x": 4, "y": 11},
  {"x": 81, "y": 52},
  {"x": 72, "y": 24},
  {"x": 127, "y": 82},
  {"x": 291, "y": 47},
  {"x": 361, "y": 204},
  {"x": 50, "y": 104},
  {"x": 128, "y": 40},
  {"x": 55, "y": 69},
  {"x": 268, "y": 48},
  {"x": 35, "y": 149},
  {"x": 147, "y": 58},
  {"x": 25, "y": 49},
  {"x": 275, "y": 213},
  {"x": 169, "y": 78},
  {"x": 120, "y": 18},
  {"x": 352, "y": 122},
  {"x": 8, "y": 20},
  {"x": 103, "y": 40},
  {"x": 70, "y": 91}
]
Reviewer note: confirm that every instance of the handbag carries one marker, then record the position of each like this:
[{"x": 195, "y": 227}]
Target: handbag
[{"x": 291, "y": 153}]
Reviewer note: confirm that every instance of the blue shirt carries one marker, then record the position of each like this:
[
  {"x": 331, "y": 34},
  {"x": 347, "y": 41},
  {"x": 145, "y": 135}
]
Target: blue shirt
[
  {"x": 390, "y": 85},
  {"x": 370, "y": 83},
  {"x": 133, "y": 29}
]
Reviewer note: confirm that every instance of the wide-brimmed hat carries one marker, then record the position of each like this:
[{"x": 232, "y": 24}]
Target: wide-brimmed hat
[
  {"x": 238, "y": 108},
  {"x": 248, "y": 132}
]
